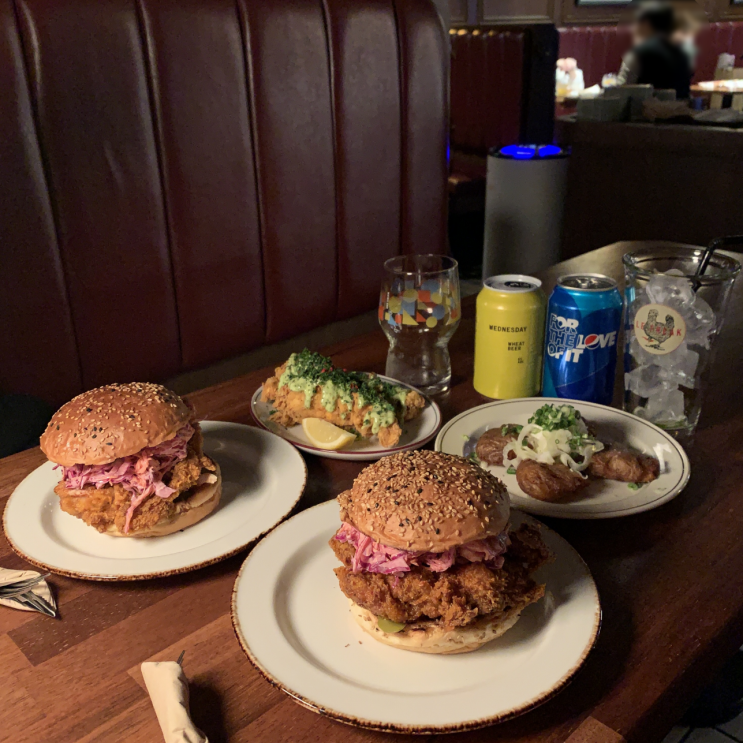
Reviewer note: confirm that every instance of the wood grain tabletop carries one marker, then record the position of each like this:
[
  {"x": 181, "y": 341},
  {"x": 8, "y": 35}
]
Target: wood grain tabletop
[{"x": 670, "y": 580}]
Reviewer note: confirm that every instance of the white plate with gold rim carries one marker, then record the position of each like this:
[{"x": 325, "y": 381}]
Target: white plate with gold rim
[
  {"x": 602, "y": 499},
  {"x": 263, "y": 477},
  {"x": 415, "y": 433},
  {"x": 294, "y": 623}
]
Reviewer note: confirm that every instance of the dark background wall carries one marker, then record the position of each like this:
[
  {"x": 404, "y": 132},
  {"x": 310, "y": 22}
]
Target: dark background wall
[{"x": 564, "y": 12}]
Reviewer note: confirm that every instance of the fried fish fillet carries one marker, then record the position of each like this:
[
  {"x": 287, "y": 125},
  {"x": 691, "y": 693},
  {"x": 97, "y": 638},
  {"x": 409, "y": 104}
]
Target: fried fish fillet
[{"x": 290, "y": 408}]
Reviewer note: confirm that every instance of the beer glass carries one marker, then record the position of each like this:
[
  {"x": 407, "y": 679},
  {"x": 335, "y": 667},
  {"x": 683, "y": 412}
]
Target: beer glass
[
  {"x": 419, "y": 310},
  {"x": 671, "y": 326}
]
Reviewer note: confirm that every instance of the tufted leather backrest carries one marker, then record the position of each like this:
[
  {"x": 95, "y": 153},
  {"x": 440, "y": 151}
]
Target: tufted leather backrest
[
  {"x": 714, "y": 40},
  {"x": 599, "y": 49},
  {"x": 185, "y": 180},
  {"x": 486, "y": 87},
  {"x": 502, "y": 86}
]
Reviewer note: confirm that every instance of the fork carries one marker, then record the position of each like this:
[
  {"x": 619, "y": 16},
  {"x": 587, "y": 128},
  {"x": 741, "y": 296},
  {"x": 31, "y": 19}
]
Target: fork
[
  {"x": 36, "y": 602},
  {"x": 21, "y": 587}
]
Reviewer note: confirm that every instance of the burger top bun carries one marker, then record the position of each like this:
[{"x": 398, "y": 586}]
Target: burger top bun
[
  {"x": 425, "y": 501},
  {"x": 113, "y": 421}
]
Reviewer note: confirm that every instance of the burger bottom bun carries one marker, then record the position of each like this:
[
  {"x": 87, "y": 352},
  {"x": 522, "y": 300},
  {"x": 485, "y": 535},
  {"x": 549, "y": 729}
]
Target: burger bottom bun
[
  {"x": 431, "y": 637},
  {"x": 202, "y": 501}
]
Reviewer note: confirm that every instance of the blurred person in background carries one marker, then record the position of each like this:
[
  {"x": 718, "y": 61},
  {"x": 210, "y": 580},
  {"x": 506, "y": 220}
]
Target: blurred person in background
[
  {"x": 568, "y": 77},
  {"x": 655, "y": 58},
  {"x": 687, "y": 24}
]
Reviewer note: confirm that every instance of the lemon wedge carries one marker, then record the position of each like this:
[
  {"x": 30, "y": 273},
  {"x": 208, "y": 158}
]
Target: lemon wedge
[{"x": 325, "y": 435}]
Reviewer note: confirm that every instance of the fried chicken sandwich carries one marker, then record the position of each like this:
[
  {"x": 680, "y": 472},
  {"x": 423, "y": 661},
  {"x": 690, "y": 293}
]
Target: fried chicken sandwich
[
  {"x": 132, "y": 461},
  {"x": 429, "y": 561}
]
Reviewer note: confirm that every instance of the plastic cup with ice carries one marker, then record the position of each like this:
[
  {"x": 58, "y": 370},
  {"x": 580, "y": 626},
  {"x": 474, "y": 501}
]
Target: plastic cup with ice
[{"x": 661, "y": 379}]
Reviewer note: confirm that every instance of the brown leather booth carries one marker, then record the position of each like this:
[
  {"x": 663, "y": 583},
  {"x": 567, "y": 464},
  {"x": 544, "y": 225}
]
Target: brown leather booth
[
  {"x": 502, "y": 91},
  {"x": 185, "y": 180}
]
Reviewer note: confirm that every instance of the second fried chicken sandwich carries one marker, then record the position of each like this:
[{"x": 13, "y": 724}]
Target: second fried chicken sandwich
[
  {"x": 132, "y": 461},
  {"x": 430, "y": 563}
]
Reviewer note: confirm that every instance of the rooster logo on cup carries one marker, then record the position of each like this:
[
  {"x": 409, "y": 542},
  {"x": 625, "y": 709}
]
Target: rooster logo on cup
[{"x": 657, "y": 334}]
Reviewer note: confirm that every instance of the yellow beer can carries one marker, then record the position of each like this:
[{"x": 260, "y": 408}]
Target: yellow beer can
[{"x": 509, "y": 337}]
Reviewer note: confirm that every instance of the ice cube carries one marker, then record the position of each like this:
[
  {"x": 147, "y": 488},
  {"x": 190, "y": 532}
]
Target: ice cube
[
  {"x": 645, "y": 381},
  {"x": 672, "y": 290},
  {"x": 671, "y": 359},
  {"x": 636, "y": 298},
  {"x": 682, "y": 367},
  {"x": 700, "y": 324},
  {"x": 642, "y": 356},
  {"x": 666, "y": 406}
]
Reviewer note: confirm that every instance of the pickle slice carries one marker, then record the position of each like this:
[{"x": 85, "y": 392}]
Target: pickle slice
[{"x": 388, "y": 626}]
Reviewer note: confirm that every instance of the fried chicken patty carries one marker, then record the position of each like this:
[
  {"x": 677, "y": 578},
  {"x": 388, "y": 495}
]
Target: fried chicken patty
[
  {"x": 290, "y": 409},
  {"x": 454, "y": 597},
  {"x": 101, "y": 507}
]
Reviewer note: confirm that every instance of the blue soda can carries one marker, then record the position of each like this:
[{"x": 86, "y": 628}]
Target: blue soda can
[{"x": 583, "y": 319}]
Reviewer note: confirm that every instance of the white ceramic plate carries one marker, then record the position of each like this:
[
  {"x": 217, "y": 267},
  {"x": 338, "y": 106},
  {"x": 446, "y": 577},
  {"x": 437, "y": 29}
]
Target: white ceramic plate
[
  {"x": 296, "y": 627},
  {"x": 415, "y": 433},
  {"x": 262, "y": 479},
  {"x": 602, "y": 499}
]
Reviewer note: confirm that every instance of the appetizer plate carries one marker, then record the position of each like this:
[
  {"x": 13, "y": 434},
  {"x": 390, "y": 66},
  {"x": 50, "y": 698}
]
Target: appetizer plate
[
  {"x": 296, "y": 627},
  {"x": 602, "y": 499},
  {"x": 262, "y": 479},
  {"x": 415, "y": 433}
]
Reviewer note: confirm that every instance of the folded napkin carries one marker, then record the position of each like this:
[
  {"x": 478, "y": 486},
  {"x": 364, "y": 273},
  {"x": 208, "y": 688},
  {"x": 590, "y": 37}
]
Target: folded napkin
[
  {"x": 168, "y": 688},
  {"x": 42, "y": 599}
]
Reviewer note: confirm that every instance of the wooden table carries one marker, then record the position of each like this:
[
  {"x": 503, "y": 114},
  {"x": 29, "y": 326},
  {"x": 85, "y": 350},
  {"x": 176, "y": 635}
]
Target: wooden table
[
  {"x": 718, "y": 89},
  {"x": 671, "y": 583}
]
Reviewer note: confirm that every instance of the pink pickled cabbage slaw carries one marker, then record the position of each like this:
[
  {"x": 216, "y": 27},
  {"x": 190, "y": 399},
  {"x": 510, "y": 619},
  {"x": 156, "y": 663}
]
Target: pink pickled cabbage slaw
[
  {"x": 140, "y": 474},
  {"x": 373, "y": 557}
]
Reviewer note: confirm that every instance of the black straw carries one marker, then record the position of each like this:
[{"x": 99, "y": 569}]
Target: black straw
[{"x": 718, "y": 242}]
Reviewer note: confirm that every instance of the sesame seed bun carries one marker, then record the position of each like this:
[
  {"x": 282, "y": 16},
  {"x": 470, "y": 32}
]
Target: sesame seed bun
[
  {"x": 425, "y": 501},
  {"x": 200, "y": 503},
  {"x": 431, "y": 637},
  {"x": 113, "y": 421}
]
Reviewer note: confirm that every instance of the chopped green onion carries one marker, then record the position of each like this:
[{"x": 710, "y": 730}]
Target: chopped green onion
[
  {"x": 474, "y": 458},
  {"x": 634, "y": 486},
  {"x": 507, "y": 429},
  {"x": 511, "y": 470},
  {"x": 550, "y": 417}
]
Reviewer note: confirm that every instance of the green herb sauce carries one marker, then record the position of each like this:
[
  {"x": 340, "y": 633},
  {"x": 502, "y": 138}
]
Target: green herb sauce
[{"x": 310, "y": 372}]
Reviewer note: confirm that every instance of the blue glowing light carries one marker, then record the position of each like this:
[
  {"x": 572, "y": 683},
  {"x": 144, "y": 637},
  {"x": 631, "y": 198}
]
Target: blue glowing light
[
  {"x": 519, "y": 151},
  {"x": 550, "y": 150},
  {"x": 530, "y": 151}
]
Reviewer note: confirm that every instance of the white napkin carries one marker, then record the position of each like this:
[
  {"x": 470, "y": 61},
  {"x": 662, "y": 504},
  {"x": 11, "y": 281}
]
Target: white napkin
[
  {"x": 41, "y": 589},
  {"x": 168, "y": 688}
]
